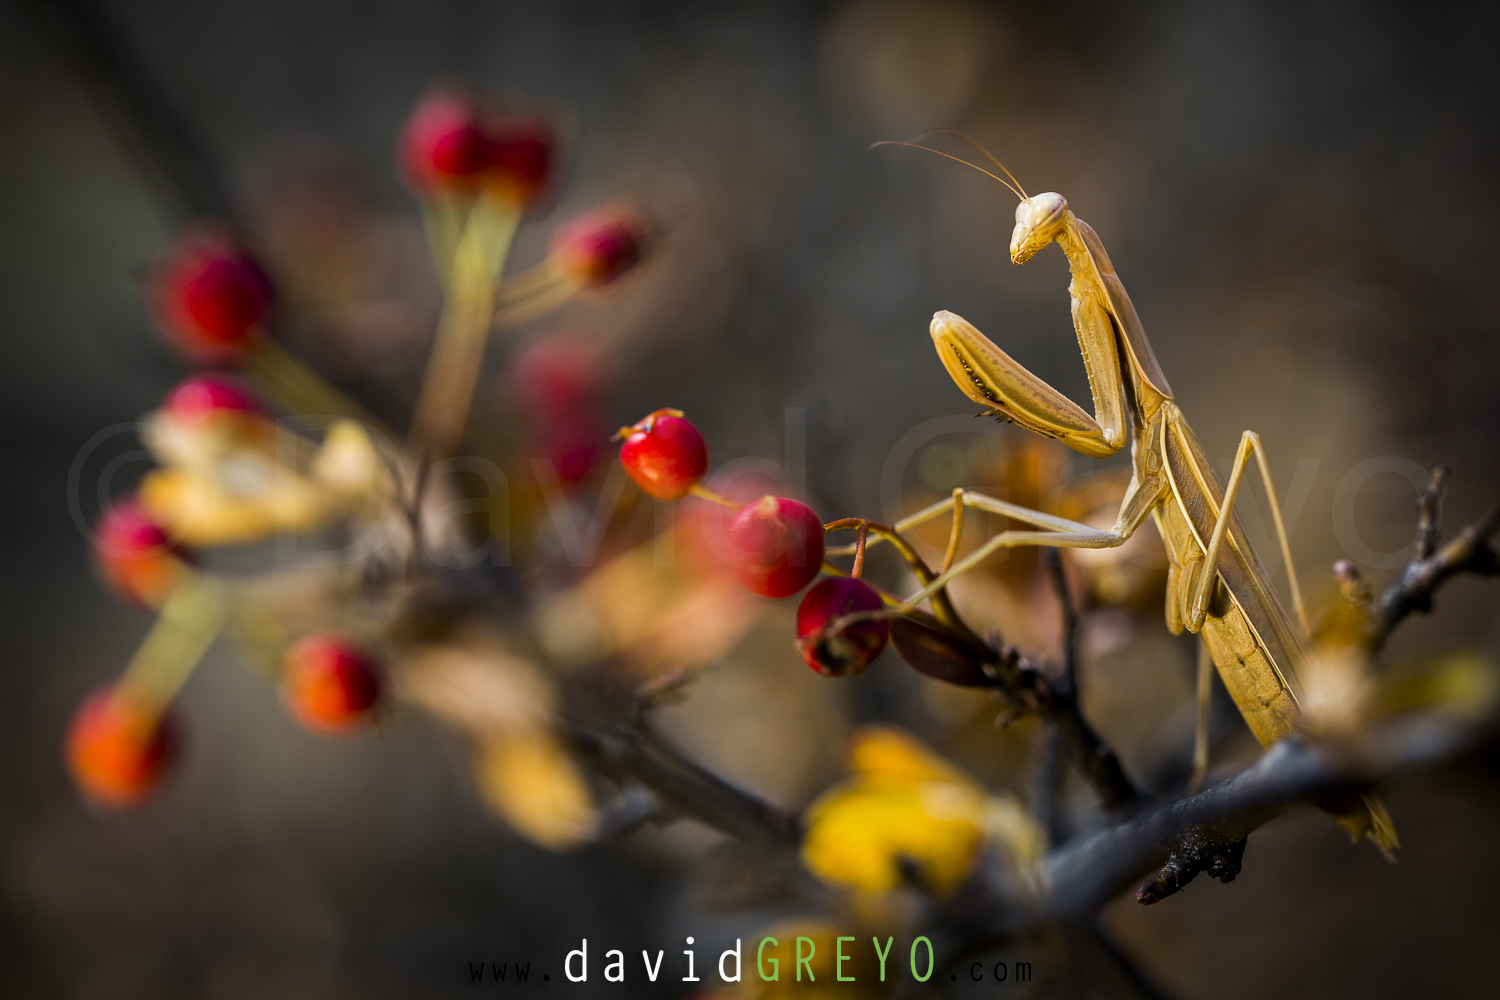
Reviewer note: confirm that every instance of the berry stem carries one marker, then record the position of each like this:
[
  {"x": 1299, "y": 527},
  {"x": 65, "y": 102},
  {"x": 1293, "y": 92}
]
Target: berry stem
[
  {"x": 453, "y": 369},
  {"x": 533, "y": 293},
  {"x": 294, "y": 389},
  {"x": 443, "y": 220},
  {"x": 704, "y": 493},
  {"x": 859, "y": 551},
  {"x": 190, "y": 621},
  {"x": 942, "y": 607}
]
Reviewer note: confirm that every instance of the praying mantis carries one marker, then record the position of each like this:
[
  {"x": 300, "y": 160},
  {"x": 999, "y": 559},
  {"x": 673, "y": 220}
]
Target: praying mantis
[{"x": 1216, "y": 585}]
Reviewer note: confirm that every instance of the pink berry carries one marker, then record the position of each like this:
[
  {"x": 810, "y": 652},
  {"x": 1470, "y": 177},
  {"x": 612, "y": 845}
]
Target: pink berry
[
  {"x": 599, "y": 247},
  {"x": 210, "y": 297},
  {"x": 665, "y": 455},
  {"x": 205, "y": 397},
  {"x": 117, "y": 750},
  {"x": 135, "y": 555},
  {"x": 330, "y": 683},
  {"x": 852, "y": 649},
  {"x": 777, "y": 545}
]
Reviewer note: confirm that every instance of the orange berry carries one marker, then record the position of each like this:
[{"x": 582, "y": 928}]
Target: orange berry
[
  {"x": 330, "y": 683},
  {"x": 118, "y": 750}
]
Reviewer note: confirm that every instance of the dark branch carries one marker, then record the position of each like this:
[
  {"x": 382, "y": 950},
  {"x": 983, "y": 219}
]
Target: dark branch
[
  {"x": 1052, "y": 560},
  {"x": 639, "y": 754},
  {"x": 1468, "y": 552},
  {"x": 1430, "y": 512},
  {"x": 1218, "y": 852},
  {"x": 1095, "y": 761},
  {"x": 1089, "y": 871}
]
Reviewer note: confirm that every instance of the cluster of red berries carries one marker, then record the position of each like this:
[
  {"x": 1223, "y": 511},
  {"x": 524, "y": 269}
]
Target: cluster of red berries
[
  {"x": 212, "y": 298},
  {"x": 213, "y": 301},
  {"x": 454, "y": 146},
  {"x": 776, "y": 546}
]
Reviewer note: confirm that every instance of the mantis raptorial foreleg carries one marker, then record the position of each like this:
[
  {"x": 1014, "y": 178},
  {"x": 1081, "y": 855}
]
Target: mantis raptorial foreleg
[
  {"x": 994, "y": 379},
  {"x": 1197, "y": 607}
]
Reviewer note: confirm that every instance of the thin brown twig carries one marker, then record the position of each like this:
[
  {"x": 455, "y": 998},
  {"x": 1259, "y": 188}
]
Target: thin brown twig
[
  {"x": 1468, "y": 552},
  {"x": 1429, "y": 512}
]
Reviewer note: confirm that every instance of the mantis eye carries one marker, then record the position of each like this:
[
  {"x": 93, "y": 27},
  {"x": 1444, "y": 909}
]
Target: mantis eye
[{"x": 1043, "y": 210}]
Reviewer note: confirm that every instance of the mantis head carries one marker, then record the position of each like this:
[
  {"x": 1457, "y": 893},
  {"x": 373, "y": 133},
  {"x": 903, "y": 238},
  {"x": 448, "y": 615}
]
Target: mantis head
[{"x": 1038, "y": 221}]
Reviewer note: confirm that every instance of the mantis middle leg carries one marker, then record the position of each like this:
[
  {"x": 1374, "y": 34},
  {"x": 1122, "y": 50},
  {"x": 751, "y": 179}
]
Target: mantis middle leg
[{"x": 1055, "y": 531}]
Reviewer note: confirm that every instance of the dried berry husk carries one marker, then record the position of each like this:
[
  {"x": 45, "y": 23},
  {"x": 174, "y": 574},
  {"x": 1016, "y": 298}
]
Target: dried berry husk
[{"x": 939, "y": 655}]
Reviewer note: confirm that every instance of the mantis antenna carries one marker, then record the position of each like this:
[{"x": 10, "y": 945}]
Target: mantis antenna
[
  {"x": 980, "y": 149},
  {"x": 1015, "y": 188}
]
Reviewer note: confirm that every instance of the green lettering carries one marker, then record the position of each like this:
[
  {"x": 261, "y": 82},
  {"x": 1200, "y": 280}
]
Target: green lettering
[
  {"x": 775, "y": 964},
  {"x": 930, "y": 960},
  {"x": 806, "y": 961},
  {"x": 838, "y": 966},
  {"x": 888, "y": 942}
]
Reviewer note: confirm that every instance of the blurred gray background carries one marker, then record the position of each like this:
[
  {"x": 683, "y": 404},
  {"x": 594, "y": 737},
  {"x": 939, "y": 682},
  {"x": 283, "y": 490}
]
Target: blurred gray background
[{"x": 1301, "y": 199}]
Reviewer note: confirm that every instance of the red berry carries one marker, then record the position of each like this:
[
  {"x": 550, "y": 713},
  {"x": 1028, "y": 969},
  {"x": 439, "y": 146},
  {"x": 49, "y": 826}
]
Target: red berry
[
  {"x": 118, "y": 750},
  {"x": 851, "y": 650},
  {"x": 209, "y": 297},
  {"x": 666, "y": 456},
  {"x": 777, "y": 544},
  {"x": 598, "y": 247},
  {"x": 451, "y": 145},
  {"x": 135, "y": 554},
  {"x": 444, "y": 147},
  {"x": 520, "y": 158},
  {"x": 329, "y": 683},
  {"x": 202, "y": 398}
]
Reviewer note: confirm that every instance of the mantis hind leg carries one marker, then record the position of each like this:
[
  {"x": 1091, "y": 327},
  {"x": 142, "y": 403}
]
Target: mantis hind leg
[
  {"x": 1205, "y": 709},
  {"x": 1200, "y": 587}
]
